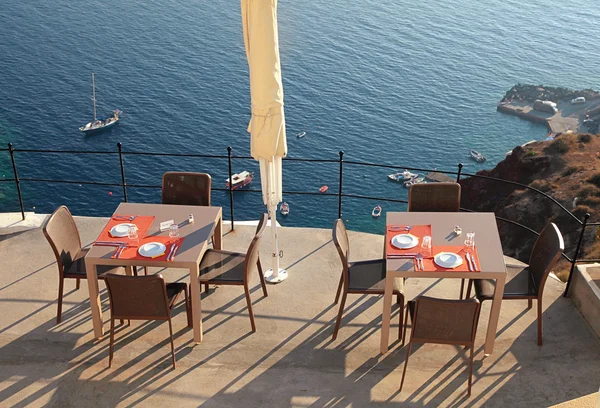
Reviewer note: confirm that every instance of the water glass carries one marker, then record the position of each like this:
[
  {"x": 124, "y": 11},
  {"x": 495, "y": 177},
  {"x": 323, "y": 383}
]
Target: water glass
[
  {"x": 470, "y": 241},
  {"x": 426, "y": 243},
  {"x": 132, "y": 233},
  {"x": 174, "y": 231}
]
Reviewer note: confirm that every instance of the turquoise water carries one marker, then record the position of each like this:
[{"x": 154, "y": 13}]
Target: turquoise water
[{"x": 392, "y": 82}]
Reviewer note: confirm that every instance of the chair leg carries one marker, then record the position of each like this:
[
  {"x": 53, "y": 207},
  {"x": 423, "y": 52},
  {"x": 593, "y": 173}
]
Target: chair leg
[
  {"x": 60, "y": 299},
  {"x": 400, "y": 320},
  {"x": 462, "y": 288},
  {"x": 249, "y": 302},
  {"x": 77, "y": 284},
  {"x": 529, "y": 303},
  {"x": 187, "y": 307},
  {"x": 206, "y": 287},
  {"x": 339, "y": 289},
  {"x": 339, "y": 316},
  {"x": 405, "y": 325},
  {"x": 172, "y": 345},
  {"x": 261, "y": 275},
  {"x": 112, "y": 341},
  {"x": 469, "y": 288},
  {"x": 405, "y": 365},
  {"x": 539, "y": 321},
  {"x": 470, "y": 371}
]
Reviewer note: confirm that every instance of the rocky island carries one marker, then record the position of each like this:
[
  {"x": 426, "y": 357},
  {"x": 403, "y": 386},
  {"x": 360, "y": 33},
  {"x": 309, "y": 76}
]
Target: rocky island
[
  {"x": 560, "y": 109},
  {"x": 567, "y": 168}
]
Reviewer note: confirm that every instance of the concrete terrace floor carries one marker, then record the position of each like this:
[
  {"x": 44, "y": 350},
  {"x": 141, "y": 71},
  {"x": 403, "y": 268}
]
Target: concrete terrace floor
[{"x": 290, "y": 360}]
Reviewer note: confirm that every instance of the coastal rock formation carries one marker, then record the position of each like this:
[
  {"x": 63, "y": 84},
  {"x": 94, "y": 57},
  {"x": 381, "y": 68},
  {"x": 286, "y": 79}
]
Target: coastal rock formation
[
  {"x": 530, "y": 93},
  {"x": 567, "y": 168}
]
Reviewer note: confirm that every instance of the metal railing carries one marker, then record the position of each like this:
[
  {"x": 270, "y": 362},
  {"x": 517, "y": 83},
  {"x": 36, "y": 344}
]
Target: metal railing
[{"x": 583, "y": 223}]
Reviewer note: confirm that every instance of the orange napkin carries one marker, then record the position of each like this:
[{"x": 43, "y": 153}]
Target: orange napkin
[
  {"x": 131, "y": 253},
  {"x": 430, "y": 266},
  {"x": 142, "y": 222},
  {"x": 418, "y": 231}
]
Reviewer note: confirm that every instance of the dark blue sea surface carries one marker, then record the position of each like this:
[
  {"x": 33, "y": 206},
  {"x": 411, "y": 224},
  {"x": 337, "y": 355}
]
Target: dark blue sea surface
[{"x": 404, "y": 83}]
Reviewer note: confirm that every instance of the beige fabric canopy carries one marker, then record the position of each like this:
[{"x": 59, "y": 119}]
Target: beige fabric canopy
[{"x": 267, "y": 126}]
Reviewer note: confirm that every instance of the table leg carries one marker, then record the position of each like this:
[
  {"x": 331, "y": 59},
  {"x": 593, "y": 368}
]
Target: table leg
[
  {"x": 387, "y": 311},
  {"x": 494, "y": 316},
  {"x": 129, "y": 270},
  {"x": 218, "y": 235},
  {"x": 196, "y": 303},
  {"x": 95, "y": 305}
]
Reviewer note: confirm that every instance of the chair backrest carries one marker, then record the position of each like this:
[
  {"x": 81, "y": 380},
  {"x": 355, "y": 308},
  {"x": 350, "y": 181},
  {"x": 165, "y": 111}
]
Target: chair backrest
[
  {"x": 545, "y": 254},
  {"x": 137, "y": 297},
  {"x": 340, "y": 239},
  {"x": 186, "y": 188},
  {"x": 61, "y": 232},
  {"x": 434, "y": 197},
  {"x": 445, "y": 321},
  {"x": 253, "y": 250}
]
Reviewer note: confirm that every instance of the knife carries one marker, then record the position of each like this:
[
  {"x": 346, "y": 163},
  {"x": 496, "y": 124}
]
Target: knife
[
  {"x": 175, "y": 248},
  {"x": 170, "y": 252},
  {"x": 468, "y": 258},
  {"x": 473, "y": 262}
]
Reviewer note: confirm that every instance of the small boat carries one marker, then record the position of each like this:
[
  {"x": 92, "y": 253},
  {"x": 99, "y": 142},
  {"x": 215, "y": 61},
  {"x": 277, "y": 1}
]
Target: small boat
[
  {"x": 240, "y": 180},
  {"x": 403, "y": 176},
  {"x": 300, "y": 135},
  {"x": 376, "y": 211},
  {"x": 284, "y": 208},
  {"x": 323, "y": 189},
  {"x": 418, "y": 180},
  {"x": 100, "y": 123},
  {"x": 478, "y": 157}
]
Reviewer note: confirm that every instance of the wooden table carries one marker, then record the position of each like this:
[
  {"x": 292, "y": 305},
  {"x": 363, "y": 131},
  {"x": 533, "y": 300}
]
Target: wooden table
[
  {"x": 489, "y": 250},
  {"x": 197, "y": 235}
]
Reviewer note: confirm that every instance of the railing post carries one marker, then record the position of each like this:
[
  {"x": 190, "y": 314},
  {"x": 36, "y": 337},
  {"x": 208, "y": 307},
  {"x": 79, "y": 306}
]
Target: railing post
[
  {"x": 341, "y": 181},
  {"x": 230, "y": 186},
  {"x": 460, "y": 166},
  {"x": 11, "y": 150},
  {"x": 583, "y": 226},
  {"x": 123, "y": 183}
]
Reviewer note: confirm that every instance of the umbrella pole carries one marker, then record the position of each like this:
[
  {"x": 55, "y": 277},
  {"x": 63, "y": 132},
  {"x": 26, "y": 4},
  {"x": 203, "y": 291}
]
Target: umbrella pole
[{"x": 275, "y": 274}]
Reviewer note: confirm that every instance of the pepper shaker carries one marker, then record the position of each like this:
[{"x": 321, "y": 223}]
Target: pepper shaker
[
  {"x": 191, "y": 218},
  {"x": 457, "y": 230}
]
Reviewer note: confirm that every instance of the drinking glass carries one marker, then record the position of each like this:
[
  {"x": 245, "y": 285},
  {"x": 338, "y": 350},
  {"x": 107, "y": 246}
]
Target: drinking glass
[
  {"x": 426, "y": 243},
  {"x": 470, "y": 242},
  {"x": 132, "y": 233},
  {"x": 174, "y": 231}
]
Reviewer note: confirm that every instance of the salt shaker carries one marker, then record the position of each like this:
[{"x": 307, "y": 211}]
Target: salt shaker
[
  {"x": 457, "y": 230},
  {"x": 191, "y": 218}
]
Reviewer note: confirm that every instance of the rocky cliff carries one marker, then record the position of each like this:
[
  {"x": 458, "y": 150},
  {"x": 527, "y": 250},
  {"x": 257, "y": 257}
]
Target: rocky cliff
[{"x": 567, "y": 168}]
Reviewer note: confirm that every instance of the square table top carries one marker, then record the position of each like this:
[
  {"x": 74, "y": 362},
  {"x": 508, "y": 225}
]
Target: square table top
[
  {"x": 487, "y": 240},
  {"x": 196, "y": 234}
]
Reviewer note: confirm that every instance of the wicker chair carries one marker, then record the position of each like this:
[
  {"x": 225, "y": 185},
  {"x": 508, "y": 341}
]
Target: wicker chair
[
  {"x": 143, "y": 298},
  {"x": 527, "y": 281},
  {"x": 362, "y": 277},
  {"x": 233, "y": 268},
  {"x": 182, "y": 188},
  {"x": 61, "y": 232},
  {"x": 443, "y": 321},
  {"x": 434, "y": 197}
]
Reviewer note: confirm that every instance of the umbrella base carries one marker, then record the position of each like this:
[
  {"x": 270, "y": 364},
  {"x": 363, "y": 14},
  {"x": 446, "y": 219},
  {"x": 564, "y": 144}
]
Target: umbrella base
[{"x": 281, "y": 276}]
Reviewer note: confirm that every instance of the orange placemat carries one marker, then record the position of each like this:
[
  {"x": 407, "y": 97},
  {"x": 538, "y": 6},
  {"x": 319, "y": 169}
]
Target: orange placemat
[
  {"x": 418, "y": 231},
  {"x": 131, "y": 252},
  {"x": 143, "y": 222},
  {"x": 430, "y": 266}
]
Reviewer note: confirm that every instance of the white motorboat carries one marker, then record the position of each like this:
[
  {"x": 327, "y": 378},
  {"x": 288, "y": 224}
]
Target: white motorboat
[
  {"x": 376, "y": 211},
  {"x": 417, "y": 180},
  {"x": 240, "y": 180},
  {"x": 284, "y": 208},
  {"x": 403, "y": 176},
  {"x": 478, "y": 157}
]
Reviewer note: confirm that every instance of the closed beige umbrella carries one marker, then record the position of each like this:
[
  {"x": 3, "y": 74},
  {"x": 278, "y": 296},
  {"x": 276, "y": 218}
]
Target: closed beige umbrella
[{"x": 267, "y": 126}]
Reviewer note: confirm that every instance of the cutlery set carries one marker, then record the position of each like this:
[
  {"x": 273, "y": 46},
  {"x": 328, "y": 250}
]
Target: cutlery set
[
  {"x": 471, "y": 262},
  {"x": 124, "y": 217},
  {"x": 172, "y": 252}
]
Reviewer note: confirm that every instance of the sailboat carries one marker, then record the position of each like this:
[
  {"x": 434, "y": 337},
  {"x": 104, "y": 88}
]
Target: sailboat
[{"x": 99, "y": 123}]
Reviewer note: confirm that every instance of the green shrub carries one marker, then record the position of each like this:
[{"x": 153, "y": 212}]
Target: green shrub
[
  {"x": 531, "y": 153},
  {"x": 587, "y": 191},
  {"x": 591, "y": 201},
  {"x": 570, "y": 170},
  {"x": 595, "y": 180},
  {"x": 541, "y": 185},
  {"x": 559, "y": 146},
  {"x": 584, "y": 138}
]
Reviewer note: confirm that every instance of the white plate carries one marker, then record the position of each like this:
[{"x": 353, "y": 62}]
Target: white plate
[
  {"x": 120, "y": 230},
  {"x": 152, "y": 249},
  {"x": 405, "y": 241},
  {"x": 448, "y": 260}
]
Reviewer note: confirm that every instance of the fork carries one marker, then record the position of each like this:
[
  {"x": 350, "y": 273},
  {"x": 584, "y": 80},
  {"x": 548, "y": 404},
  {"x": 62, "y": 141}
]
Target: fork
[
  {"x": 420, "y": 261},
  {"x": 407, "y": 228},
  {"x": 124, "y": 217}
]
